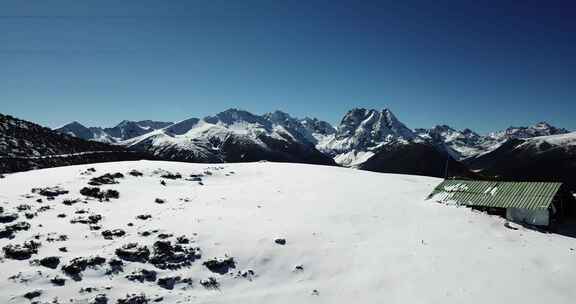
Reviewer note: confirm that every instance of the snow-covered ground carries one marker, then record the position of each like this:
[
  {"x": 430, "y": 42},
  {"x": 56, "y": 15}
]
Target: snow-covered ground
[{"x": 351, "y": 237}]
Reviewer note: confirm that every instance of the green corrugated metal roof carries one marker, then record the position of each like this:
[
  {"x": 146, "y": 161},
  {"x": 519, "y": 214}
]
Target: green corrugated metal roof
[{"x": 526, "y": 195}]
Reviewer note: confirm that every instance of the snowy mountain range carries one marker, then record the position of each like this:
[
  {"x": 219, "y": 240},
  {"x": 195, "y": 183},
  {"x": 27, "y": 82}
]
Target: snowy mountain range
[
  {"x": 544, "y": 158},
  {"x": 123, "y": 131},
  {"x": 233, "y": 136},
  {"x": 365, "y": 139},
  {"x": 467, "y": 143},
  {"x": 236, "y": 135}
]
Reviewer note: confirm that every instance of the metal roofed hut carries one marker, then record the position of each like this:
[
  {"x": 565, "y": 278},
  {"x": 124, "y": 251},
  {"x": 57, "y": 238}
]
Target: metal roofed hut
[{"x": 534, "y": 203}]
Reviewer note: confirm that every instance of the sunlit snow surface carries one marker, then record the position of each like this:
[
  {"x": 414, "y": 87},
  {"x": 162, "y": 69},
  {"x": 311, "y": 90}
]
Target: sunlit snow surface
[
  {"x": 359, "y": 237},
  {"x": 562, "y": 140}
]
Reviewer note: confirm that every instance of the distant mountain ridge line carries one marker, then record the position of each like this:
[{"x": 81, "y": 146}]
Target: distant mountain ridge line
[
  {"x": 360, "y": 132},
  {"x": 464, "y": 130},
  {"x": 367, "y": 139}
]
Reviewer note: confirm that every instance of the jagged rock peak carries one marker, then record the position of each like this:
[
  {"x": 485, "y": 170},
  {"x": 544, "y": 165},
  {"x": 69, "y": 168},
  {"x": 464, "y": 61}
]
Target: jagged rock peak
[{"x": 380, "y": 124}]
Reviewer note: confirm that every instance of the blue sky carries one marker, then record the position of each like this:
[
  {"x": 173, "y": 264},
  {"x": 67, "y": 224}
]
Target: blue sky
[{"x": 483, "y": 66}]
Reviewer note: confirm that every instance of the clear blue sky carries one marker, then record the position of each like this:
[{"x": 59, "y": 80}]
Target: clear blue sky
[{"x": 481, "y": 65}]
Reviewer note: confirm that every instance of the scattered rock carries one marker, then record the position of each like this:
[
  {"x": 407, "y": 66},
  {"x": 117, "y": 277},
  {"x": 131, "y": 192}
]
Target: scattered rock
[
  {"x": 163, "y": 183},
  {"x": 134, "y": 299},
  {"x": 95, "y": 192},
  {"x": 10, "y": 230},
  {"x": 50, "y": 262},
  {"x": 95, "y": 227},
  {"x": 50, "y": 192},
  {"x": 148, "y": 232},
  {"x": 220, "y": 265},
  {"x": 164, "y": 236},
  {"x": 111, "y": 234},
  {"x": 91, "y": 192},
  {"x": 159, "y": 201},
  {"x": 169, "y": 175},
  {"x": 76, "y": 266},
  {"x": 69, "y": 202},
  {"x": 100, "y": 299},
  {"x": 43, "y": 209},
  {"x": 88, "y": 171},
  {"x": 315, "y": 292},
  {"x": 168, "y": 256},
  {"x": 210, "y": 283},
  {"x": 23, "y": 207},
  {"x": 132, "y": 252},
  {"x": 106, "y": 179},
  {"x": 246, "y": 274},
  {"x": 57, "y": 281},
  {"x": 116, "y": 266},
  {"x": 29, "y": 215},
  {"x": 143, "y": 275},
  {"x": 280, "y": 241},
  {"x": 135, "y": 173},
  {"x": 298, "y": 268},
  {"x": 32, "y": 294},
  {"x": 60, "y": 238},
  {"x": 63, "y": 249},
  {"x": 183, "y": 240},
  {"x": 21, "y": 252},
  {"x": 90, "y": 220},
  {"x": 61, "y": 215},
  {"x": 88, "y": 290},
  {"x": 168, "y": 282},
  {"x": 8, "y": 217},
  {"x": 144, "y": 217}
]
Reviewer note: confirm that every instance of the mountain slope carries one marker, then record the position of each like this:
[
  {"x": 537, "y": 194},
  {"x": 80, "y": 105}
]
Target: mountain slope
[
  {"x": 25, "y": 145},
  {"x": 467, "y": 143},
  {"x": 539, "y": 129},
  {"x": 541, "y": 158},
  {"x": 459, "y": 144},
  {"x": 233, "y": 136},
  {"x": 280, "y": 233},
  {"x": 361, "y": 132},
  {"x": 415, "y": 159},
  {"x": 123, "y": 131}
]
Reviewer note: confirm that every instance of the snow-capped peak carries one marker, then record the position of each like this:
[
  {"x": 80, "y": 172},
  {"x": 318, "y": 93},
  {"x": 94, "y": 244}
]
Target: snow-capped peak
[
  {"x": 126, "y": 129},
  {"x": 361, "y": 132},
  {"x": 77, "y": 129},
  {"x": 74, "y": 124},
  {"x": 233, "y": 116},
  {"x": 373, "y": 125},
  {"x": 316, "y": 126},
  {"x": 539, "y": 129}
]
